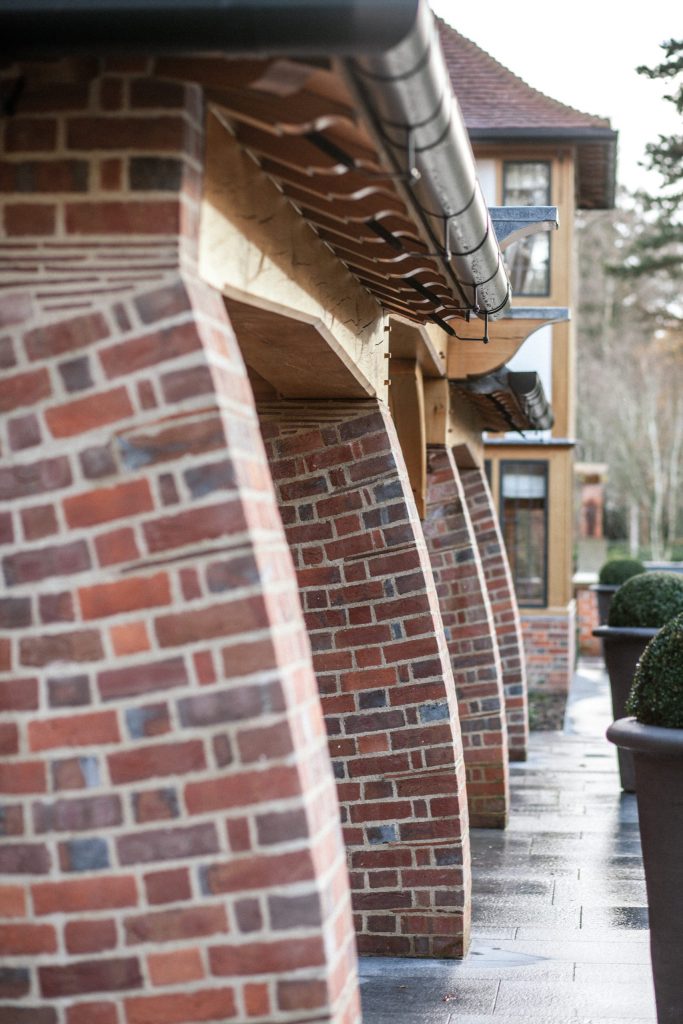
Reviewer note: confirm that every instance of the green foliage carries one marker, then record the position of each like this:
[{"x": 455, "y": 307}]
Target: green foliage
[
  {"x": 618, "y": 570},
  {"x": 656, "y": 696},
  {"x": 649, "y": 599},
  {"x": 659, "y": 247}
]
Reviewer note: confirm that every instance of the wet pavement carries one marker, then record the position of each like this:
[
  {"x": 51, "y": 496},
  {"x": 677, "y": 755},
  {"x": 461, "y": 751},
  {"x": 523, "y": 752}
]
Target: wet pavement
[{"x": 559, "y": 910}]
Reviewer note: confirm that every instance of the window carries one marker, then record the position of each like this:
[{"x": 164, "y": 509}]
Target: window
[
  {"x": 528, "y": 261},
  {"x": 524, "y": 519}
]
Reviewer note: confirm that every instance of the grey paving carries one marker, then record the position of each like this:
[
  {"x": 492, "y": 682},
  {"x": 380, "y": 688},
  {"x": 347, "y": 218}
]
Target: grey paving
[{"x": 559, "y": 910}]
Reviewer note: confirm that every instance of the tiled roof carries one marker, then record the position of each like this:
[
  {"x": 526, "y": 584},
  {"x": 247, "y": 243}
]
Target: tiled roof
[
  {"x": 491, "y": 96},
  {"x": 498, "y": 104}
]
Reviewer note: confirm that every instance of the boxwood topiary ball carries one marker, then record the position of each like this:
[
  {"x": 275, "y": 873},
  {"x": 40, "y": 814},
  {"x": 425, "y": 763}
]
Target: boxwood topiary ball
[
  {"x": 649, "y": 599},
  {"x": 619, "y": 570},
  {"x": 656, "y": 696}
]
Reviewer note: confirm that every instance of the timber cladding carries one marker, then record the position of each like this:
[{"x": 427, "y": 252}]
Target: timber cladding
[{"x": 383, "y": 671}]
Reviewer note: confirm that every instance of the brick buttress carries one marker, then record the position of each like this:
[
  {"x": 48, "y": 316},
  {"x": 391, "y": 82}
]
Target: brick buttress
[
  {"x": 171, "y": 847},
  {"x": 471, "y": 638},
  {"x": 504, "y": 606},
  {"x": 383, "y": 671}
]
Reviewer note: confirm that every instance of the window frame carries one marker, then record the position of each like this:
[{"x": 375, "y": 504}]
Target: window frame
[
  {"x": 504, "y": 177},
  {"x": 545, "y": 463}
]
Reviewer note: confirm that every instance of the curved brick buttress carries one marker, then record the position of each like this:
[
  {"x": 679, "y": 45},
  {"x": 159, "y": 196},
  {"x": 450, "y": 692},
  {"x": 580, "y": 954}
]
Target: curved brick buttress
[
  {"x": 471, "y": 637},
  {"x": 383, "y": 671},
  {"x": 171, "y": 828},
  {"x": 503, "y": 600},
  {"x": 171, "y": 850}
]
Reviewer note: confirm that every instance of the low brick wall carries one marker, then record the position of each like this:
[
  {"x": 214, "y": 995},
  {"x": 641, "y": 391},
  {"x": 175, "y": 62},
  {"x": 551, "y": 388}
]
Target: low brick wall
[
  {"x": 550, "y": 647},
  {"x": 587, "y": 620}
]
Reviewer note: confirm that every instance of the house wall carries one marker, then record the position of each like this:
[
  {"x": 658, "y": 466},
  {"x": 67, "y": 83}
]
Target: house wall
[
  {"x": 544, "y": 626},
  {"x": 172, "y": 849}
]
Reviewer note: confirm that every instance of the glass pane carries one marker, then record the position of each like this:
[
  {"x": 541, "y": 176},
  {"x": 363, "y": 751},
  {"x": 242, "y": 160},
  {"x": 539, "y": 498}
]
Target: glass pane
[
  {"x": 524, "y": 522},
  {"x": 528, "y": 261},
  {"x": 526, "y": 184},
  {"x": 528, "y": 265}
]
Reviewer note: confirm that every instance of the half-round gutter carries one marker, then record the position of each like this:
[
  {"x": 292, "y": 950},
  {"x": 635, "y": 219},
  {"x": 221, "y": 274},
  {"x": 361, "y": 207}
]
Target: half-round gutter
[{"x": 408, "y": 95}]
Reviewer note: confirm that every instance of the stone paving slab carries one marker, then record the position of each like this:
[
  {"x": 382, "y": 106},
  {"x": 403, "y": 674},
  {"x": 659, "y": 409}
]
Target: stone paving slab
[{"x": 559, "y": 910}]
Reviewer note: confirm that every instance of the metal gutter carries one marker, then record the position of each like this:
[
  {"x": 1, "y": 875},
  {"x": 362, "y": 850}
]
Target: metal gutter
[
  {"x": 408, "y": 94},
  {"x": 239, "y": 27}
]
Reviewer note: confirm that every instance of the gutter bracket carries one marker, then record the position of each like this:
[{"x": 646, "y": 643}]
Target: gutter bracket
[{"x": 514, "y": 222}]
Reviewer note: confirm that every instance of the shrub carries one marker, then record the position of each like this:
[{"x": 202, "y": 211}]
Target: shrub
[
  {"x": 656, "y": 696},
  {"x": 648, "y": 599},
  {"x": 618, "y": 570}
]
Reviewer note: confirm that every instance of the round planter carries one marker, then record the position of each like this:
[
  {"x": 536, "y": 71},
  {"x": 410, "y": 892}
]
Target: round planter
[
  {"x": 622, "y": 647},
  {"x": 658, "y": 759},
  {"x": 604, "y": 593}
]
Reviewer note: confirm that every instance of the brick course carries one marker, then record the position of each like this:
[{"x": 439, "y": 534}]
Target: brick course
[
  {"x": 383, "y": 671},
  {"x": 471, "y": 638}
]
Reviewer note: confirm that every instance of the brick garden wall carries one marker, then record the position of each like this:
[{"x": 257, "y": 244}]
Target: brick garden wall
[
  {"x": 171, "y": 849},
  {"x": 471, "y": 638},
  {"x": 503, "y": 601},
  {"x": 383, "y": 671},
  {"x": 587, "y": 620},
  {"x": 550, "y": 646}
]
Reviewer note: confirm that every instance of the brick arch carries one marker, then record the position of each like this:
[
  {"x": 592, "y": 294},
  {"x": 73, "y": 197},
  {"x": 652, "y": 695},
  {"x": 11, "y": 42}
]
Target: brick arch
[
  {"x": 172, "y": 849},
  {"x": 383, "y": 670},
  {"x": 504, "y": 606},
  {"x": 471, "y": 639}
]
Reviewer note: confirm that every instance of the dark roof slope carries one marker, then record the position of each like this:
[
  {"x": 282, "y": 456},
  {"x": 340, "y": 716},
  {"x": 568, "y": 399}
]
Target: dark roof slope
[{"x": 497, "y": 105}]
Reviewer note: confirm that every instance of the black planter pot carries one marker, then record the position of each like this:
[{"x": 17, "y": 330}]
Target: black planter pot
[
  {"x": 622, "y": 647},
  {"x": 604, "y": 593},
  {"x": 658, "y": 758}
]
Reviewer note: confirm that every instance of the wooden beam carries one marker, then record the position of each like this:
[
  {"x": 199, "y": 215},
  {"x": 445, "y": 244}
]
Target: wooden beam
[
  {"x": 257, "y": 251},
  {"x": 437, "y": 409},
  {"x": 472, "y": 358},
  {"x": 408, "y": 340},
  {"x": 293, "y": 357},
  {"x": 408, "y": 412}
]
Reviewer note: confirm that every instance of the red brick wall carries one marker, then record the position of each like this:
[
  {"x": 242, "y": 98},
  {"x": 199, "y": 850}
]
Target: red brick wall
[
  {"x": 471, "y": 638},
  {"x": 503, "y": 600},
  {"x": 383, "y": 671},
  {"x": 171, "y": 849},
  {"x": 550, "y": 646}
]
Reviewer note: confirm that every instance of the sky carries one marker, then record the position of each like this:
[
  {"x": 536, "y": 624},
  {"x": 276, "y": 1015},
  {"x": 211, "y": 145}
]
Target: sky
[{"x": 584, "y": 53}]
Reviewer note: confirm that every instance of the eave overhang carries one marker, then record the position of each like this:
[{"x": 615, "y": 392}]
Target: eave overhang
[
  {"x": 371, "y": 151},
  {"x": 508, "y": 400},
  {"x": 596, "y": 156}
]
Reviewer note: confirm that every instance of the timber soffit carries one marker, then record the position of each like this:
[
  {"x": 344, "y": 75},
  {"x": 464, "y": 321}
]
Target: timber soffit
[{"x": 372, "y": 151}]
